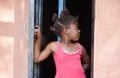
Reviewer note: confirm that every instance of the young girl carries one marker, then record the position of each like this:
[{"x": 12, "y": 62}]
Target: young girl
[{"x": 67, "y": 52}]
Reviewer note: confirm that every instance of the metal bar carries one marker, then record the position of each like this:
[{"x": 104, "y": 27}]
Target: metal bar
[
  {"x": 40, "y": 16},
  {"x": 38, "y": 21},
  {"x": 61, "y": 6},
  {"x": 37, "y": 12},
  {"x": 40, "y": 13},
  {"x": 36, "y": 71},
  {"x": 31, "y": 39},
  {"x": 36, "y": 65},
  {"x": 92, "y": 39}
]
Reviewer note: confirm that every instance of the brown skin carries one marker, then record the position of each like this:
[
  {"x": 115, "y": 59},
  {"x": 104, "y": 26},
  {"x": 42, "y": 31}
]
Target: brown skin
[{"x": 68, "y": 38}]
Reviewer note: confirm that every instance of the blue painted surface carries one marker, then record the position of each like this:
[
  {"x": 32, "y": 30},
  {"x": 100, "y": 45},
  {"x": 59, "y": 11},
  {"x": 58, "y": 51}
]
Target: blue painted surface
[{"x": 60, "y": 8}]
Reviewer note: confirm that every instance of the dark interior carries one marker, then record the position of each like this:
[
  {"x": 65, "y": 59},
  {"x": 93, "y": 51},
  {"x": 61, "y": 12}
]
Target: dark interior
[{"x": 81, "y": 8}]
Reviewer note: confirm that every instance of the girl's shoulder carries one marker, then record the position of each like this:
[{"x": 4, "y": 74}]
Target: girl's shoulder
[
  {"x": 79, "y": 45},
  {"x": 54, "y": 46},
  {"x": 53, "y": 43}
]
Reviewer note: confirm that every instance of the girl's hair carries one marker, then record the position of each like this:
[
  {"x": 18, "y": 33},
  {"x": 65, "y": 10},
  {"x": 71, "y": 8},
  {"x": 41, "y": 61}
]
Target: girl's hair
[{"x": 64, "y": 21}]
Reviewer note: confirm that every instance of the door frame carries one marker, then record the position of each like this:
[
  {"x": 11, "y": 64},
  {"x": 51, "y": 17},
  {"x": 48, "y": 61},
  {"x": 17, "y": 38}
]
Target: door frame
[{"x": 31, "y": 35}]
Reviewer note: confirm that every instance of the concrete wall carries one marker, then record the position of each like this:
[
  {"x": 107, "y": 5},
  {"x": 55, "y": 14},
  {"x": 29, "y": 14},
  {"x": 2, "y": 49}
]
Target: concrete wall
[
  {"x": 107, "y": 39},
  {"x": 14, "y": 14}
]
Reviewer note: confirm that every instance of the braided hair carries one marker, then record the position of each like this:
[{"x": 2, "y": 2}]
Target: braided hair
[{"x": 64, "y": 21}]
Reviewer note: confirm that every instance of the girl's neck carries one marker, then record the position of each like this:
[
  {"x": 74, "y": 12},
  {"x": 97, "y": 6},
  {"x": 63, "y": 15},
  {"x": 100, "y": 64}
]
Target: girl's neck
[
  {"x": 68, "y": 46},
  {"x": 66, "y": 42}
]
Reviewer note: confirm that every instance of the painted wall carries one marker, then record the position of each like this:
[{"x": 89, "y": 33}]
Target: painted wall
[
  {"x": 107, "y": 39},
  {"x": 14, "y": 14}
]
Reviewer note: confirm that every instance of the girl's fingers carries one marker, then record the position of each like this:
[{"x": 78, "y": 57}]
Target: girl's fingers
[
  {"x": 37, "y": 27},
  {"x": 35, "y": 33}
]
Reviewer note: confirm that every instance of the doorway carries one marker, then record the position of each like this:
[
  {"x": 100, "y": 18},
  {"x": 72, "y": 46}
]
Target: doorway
[{"x": 81, "y": 8}]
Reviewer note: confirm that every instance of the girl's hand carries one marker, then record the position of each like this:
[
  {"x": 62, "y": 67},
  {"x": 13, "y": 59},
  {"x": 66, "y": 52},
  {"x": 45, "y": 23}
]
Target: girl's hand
[{"x": 37, "y": 33}]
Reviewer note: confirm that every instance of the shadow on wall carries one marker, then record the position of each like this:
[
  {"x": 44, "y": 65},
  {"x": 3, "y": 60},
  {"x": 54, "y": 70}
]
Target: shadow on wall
[{"x": 13, "y": 41}]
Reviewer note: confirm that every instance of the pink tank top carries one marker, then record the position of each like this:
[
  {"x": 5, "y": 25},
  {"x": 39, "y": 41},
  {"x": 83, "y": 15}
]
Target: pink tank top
[{"x": 68, "y": 65}]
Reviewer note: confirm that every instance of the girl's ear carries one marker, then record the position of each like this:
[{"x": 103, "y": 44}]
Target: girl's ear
[{"x": 67, "y": 30}]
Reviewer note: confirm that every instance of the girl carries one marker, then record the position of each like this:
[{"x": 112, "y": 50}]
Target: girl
[{"x": 67, "y": 52}]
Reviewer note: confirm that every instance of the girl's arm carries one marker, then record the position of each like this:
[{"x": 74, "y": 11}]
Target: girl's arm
[
  {"x": 86, "y": 59},
  {"x": 40, "y": 55}
]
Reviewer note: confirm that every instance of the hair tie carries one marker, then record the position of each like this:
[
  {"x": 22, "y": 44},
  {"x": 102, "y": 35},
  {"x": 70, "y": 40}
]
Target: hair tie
[
  {"x": 52, "y": 28},
  {"x": 60, "y": 23}
]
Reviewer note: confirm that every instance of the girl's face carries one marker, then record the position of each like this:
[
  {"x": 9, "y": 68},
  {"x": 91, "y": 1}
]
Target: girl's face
[{"x": 74, "y": 32}]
